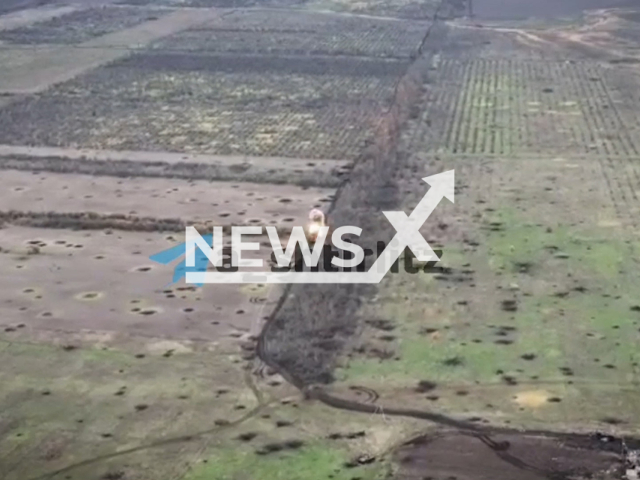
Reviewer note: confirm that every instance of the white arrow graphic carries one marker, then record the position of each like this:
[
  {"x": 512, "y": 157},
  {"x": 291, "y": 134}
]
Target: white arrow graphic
[
  {"x": 408, "y": 235},
  {"x": 442, "y": 186}
]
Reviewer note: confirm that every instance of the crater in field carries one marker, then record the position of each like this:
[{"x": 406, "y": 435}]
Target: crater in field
[
  {"x": 143, "y": 268},
  {"x": 425, "y": 386},
  {"x": 247, "y": 437},
  {"x": 89, "y": 296},
  {"x": 453, "y": 362},
  {"x": 509, "y": 305},
  {"x": 279, "y": 447}
]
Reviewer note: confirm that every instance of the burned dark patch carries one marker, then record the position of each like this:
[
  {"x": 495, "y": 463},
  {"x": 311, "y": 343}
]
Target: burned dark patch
[
  {"x": 261, "y": 64},
  {"x": 329, "y": 344}
]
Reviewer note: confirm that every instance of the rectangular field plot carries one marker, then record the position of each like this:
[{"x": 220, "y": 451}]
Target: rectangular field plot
[
  {"x": 289, "y": 107},
  {"x": 405, "y": 9},
  {"x": 301, "y": 33},
  {"x": 156, "y": 201},
  {"x": 80, "y": 26},
  {"x": 102, "y": 281},
  {"x": 506, "y": 107}
]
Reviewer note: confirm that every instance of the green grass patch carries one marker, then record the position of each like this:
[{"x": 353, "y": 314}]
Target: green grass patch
[
  {"x": 513, "y": 242},
  {"x": 596, "y": 340},
  {"x": 313, "y": 462}
]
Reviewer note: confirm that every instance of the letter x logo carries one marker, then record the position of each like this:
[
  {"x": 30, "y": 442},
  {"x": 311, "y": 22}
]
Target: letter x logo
[{"x": 408, "y": 227}]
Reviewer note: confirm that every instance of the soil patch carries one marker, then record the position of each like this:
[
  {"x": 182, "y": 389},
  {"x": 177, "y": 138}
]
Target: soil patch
[{"x": 511, "y": 455}]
